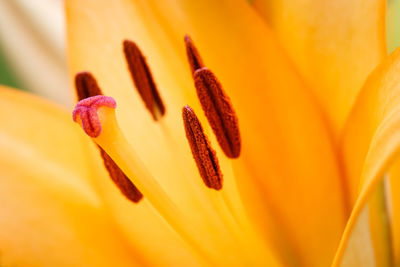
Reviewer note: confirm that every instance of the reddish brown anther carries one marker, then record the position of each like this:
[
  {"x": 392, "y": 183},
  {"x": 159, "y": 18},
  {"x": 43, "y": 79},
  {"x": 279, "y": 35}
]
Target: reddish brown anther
[
  {"x": 127, "y": 188},
  {"x": 219, "y": 111},
  {"x": 143, "y": 79},
  {"x": 86, "y": 85},
  {"x": 193, "y": 55},
  {"x": 203, "y": 154}
]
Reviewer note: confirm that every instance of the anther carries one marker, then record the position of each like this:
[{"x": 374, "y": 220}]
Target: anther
[
  {"x": 203, "y": 154},
  {"x": 143, "y": 79},
  {"x": 193, "y": 55},
  {"x": 86, "y": 85},
  {"x": 219, "y": 111},
  {"x": 127, "y": 188},
  {"x": 86, "y": 111}
]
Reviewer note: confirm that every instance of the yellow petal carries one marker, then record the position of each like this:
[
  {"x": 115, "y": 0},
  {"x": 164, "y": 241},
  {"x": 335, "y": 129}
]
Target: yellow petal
[
  {"x": 359, "y": 250},
  {"x": 369, "y": 243},
  {"x": 285, "y": 142},
  {"x": 334, "y": 45},
  {"x": 49, "y": 213},
  {"x": 371, "y": 141},
  {"x": 369, "y": 240}
]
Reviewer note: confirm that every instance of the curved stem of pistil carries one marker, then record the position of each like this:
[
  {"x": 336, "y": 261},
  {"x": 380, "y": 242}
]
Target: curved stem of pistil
[{"x": 116, "y": 145}]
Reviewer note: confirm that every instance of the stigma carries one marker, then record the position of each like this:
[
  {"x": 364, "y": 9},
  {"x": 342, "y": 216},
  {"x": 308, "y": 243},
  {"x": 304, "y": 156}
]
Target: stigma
[{"x": 85, "y": 113}]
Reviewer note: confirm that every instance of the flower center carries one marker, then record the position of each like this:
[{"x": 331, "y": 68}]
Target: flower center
[
  {"x": 96, "y": 115},
  {"x": 215, "y": 103}
]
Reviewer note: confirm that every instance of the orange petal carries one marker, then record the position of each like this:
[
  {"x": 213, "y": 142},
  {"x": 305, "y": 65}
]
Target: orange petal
[
  {"x": 334, "y": 44},
  {"x": 371, "y": 142},
  {"x": 50, "y": 214},
  {"x": 285, "y": 142}
]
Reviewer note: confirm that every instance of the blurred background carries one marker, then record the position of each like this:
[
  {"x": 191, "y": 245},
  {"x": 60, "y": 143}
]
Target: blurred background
[
  {"x": 32, "y": 38},
  {"x": 32, "y": 47},
  {"x": 393, "y": 24}
]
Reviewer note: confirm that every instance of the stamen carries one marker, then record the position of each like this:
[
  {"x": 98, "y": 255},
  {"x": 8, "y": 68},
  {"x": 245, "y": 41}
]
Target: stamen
[
  {"x": 219, "y": 111},
  {"x": 125, "y": 185},
  {"x": 86, "y": 85},
  {"x": 143, "y": 79},
  {"x": 193, "y": 55},
  {"x": 86, "y": 111},
  {"x": 203, "y": 154}
]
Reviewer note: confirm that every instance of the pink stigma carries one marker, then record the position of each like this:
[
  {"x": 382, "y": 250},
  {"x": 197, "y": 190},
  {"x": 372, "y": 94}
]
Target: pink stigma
[{"x": 86, "y": 109}]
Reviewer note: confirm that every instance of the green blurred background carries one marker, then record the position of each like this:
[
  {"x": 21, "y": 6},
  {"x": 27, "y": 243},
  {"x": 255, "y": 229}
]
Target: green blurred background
[
  {"x": 8, "y": 76},
  {"x": 393, "y": 24}
]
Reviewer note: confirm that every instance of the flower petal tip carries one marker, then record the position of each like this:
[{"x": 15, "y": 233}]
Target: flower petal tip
[{"x": 86, "y": 111}]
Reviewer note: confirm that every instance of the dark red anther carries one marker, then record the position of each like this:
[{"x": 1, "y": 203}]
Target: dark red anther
[
  {"x": 203, "y": 154},
  {"x": 193, "y": 55},
  {"x": 143, "y": 79},
  {"x": 219, "y": 111},
  {"x": 127, "y": 188},
  {"x": 86, "y": 85}
]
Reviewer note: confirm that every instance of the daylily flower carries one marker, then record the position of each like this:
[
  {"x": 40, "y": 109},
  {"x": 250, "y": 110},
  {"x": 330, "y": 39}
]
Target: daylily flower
[{"x": 303, "y": 173}]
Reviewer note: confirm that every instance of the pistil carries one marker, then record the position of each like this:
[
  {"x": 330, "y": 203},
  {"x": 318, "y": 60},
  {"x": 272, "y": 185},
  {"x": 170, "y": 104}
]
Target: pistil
[{"x": 86, "y": 86}]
